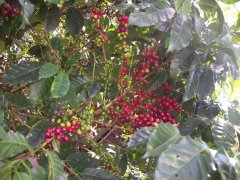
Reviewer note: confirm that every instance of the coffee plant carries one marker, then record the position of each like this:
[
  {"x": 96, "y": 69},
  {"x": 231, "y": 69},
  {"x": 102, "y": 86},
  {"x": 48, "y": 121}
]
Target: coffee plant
[{"x": 115, "y": 89}]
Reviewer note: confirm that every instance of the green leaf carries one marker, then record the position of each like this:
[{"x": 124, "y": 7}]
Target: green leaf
[
  {"x": 39, "y": 173},
  {"x": 238, "y": 22},
  {"x": 194, "y": 123},
  {"x": 181, "y": 160},
  {"x": 55, "y": 167},
  {"x": 163, "y": 135},
  {"x": 94, "y": 89},
  {"x": 18, "y": 100},
  {"x": 80, "y": 161},
  {"x": 224, "y": 133},
  {"x": 2, "y": 46},
  {"x": 200, "y": 84},
  {"x": 35, "y": 136},
  {"x": 234, "y": 116},
  {"x": 56, "y": 145},
  {"x": 27, "y": 10},
  {"x": 80, "y": 83},
  {"x": 53, "y": 1},
  {"x": 97, "y": 174},
  {"x": 213, "y": 7},
  {"x": 22, "y": 73},
  {"x": 72, "y": 96},
  {"x": 21, "y": 176},
  {"x": 48, "y": 70},
  {"x": 52, "y": 18},
  {"x": 230, "y": 1},
  {"x": 73, "y": 59},
  {"x": 208, "y": 109},
  {"x": 3, "y": 101},
  {"x": 60, "y": 85},
  {"x": 38, "y": 51},
  {"x": 39, "y": 90},
  {"x": 74, "y": 21},
  {"x": 151, "y": 17},
  {"x": 183, "y": 6},
  {"x": 224, "y": 166},
  {"x": 56, "y": 43},
  {"x": 161, "y": 78},
  {"x": 123, "y": 163},
  {"x": 2, "y": 117},
  {"x": 140, "y": 138},
  {"x": 186, "y": 54},
  {"x": 206, "y": 84},
  {"x": 181, "y": 33},
  {"x": 237, "y": 165},
  {"x": 6, "y": 169},
  {"x": 11, "y": 144}
]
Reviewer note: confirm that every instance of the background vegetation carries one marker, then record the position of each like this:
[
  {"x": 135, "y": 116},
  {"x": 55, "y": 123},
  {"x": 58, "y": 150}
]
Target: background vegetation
[{"x": 110, "y": 89}]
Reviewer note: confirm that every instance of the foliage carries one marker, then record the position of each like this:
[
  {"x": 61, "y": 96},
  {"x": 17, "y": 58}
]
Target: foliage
[{"x": 113, "y": 90}]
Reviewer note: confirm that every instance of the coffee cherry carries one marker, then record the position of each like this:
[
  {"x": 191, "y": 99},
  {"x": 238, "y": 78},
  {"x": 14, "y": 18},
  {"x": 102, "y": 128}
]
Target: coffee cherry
[
  {"x": 60, "y": 133},
  {"x": 142, "y": 108},
  {"x": 8, "y": 9},
  {"x": 96, "y": 14},
  {"x": 68, "y": 124}
]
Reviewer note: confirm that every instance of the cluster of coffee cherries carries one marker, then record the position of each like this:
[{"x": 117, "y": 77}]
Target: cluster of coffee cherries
[
  {"x": 101, "y": 39},
  {"x": 8, "y": 9},
  {"x": 144, "y": 67},
  {"x": 122, "y": 30},
  {"x": 68, "y": 125},
  {"x": 143, "y": 108},
  {"x": 62, "y": 133},
  {"x": 96, "y": 14}
]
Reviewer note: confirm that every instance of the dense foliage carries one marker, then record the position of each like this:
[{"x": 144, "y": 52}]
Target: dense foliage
[{"x": 107, "y": 89}]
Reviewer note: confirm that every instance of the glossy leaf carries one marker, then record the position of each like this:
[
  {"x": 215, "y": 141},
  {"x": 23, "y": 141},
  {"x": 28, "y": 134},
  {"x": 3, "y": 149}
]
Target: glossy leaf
[
  {"x": 38, "y": 173},
  {"x": 56, "y": 145},
  {"x": 2, "y": 117},
  {"x": 11, "y": 144},
  {"x": 36, "y": 134},
  {"x": 163, "y": 135},
  {"x": 55, "y": 167},
  {"x": 183, "y": 6},
  {"x": 80, "y": 161},
  {"x": 224, "y": 166},
  {"x": 97, "y": 174},
  {"x": 230, "y": 1},
  {"x": 224, "y": 133},
  {"x": 151, "y": 17},
  {"x": 39, "y": 90},
  {"x": 140, "y": 138},
  {"x": 161, "y": 77},
  {"x": 60, "y": 85},
  {"x": 193, "y": 123},
  {"x": 74, "y": 21},
  {"x": 181, "y": 33},
  {"x": 94, "y": 89},
  {"x": 52, "y": 18},
  {"x": 53, "y": 1},
  {"x": 184, "y": 160},
  {"x": 48, "y": 70},
  {"x": 21, "y": 176},
  {"x": 23, "y": 73},
  {"x": 183, "y": 55},
  {"x": 27, "y": 11},
  {"x": 18, "y": 100},
  {"x": 3, "y": 101},
  {"x": 72, "y": 96}
]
